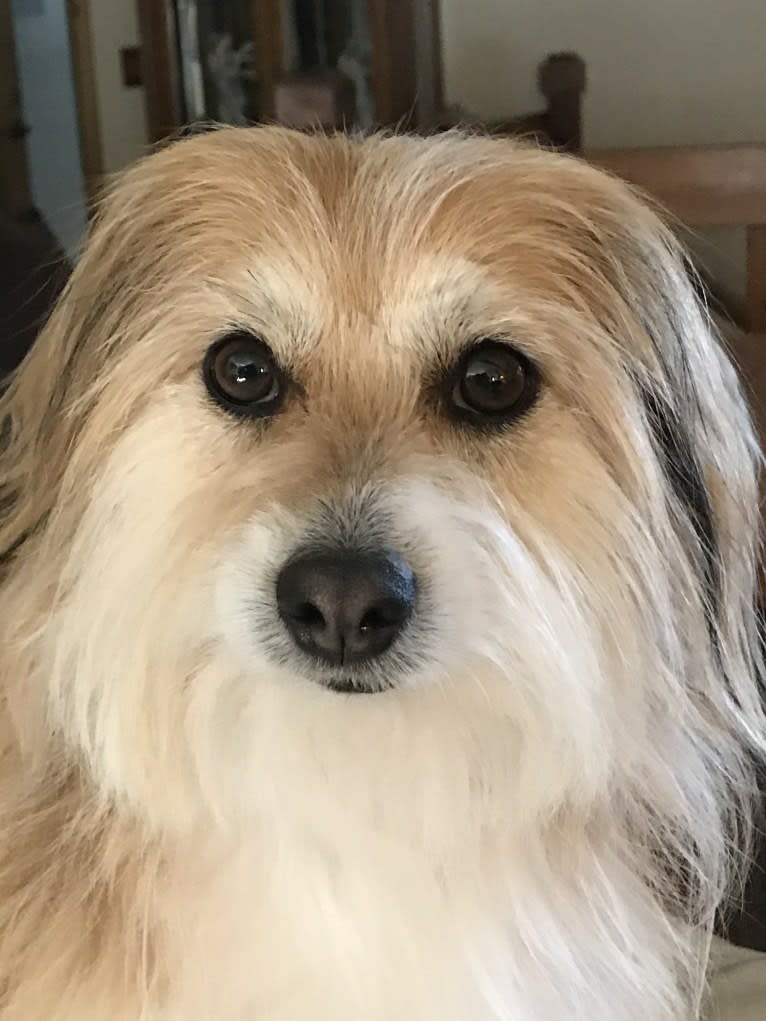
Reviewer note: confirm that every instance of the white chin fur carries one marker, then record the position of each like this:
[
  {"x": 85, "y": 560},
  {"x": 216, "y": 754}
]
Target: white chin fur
[{"x": 452, "y": 839}]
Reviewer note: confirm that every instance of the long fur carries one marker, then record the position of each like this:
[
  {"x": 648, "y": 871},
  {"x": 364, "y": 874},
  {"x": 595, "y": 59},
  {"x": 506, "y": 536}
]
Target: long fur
[{"x": 543, "y": 815}]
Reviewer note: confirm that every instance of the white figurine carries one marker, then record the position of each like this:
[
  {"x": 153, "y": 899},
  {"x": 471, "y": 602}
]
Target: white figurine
[{"x": 230, "y": 68}]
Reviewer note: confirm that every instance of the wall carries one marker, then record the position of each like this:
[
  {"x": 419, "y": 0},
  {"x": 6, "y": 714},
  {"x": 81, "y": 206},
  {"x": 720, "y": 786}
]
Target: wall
[
  {"x": 48, "y": 101},
  {"x": 122, "y": 116},
  {"x": 660, "y": 72}
]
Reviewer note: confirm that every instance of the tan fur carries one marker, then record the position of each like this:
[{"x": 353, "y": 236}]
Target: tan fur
[{"x": 354, "y": 238}]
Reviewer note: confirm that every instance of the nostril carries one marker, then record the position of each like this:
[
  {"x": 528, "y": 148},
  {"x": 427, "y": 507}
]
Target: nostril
[
  {"x": 372, "y": 621},
  {"x": 309, "y": 615},
  {"x": 384, "y": 615}
]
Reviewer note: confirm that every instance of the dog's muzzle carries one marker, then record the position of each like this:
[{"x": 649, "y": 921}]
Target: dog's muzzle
[{"x": 346, "y": 608}]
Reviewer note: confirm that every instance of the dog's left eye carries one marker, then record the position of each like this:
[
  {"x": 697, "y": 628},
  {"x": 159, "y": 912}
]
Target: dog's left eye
[
  {"x": 242, "y": 375},
  {"x": 493, "y": 382}
]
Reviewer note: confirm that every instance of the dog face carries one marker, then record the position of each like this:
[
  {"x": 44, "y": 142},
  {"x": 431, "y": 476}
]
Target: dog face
[{"x": 398, "y": 481}]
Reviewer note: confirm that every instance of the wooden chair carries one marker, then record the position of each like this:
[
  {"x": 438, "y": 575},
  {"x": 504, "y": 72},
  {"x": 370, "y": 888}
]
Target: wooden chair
[
  {"x": 704, "y": 186},
  {"x": 561, "y": 80}
]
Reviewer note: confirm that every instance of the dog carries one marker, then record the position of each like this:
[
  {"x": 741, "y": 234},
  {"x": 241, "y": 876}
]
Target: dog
[{"x": 380, "y": 537}]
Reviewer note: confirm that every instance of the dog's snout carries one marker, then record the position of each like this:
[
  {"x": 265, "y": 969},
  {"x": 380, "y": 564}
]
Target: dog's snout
[{"x": 346, "y": 607}]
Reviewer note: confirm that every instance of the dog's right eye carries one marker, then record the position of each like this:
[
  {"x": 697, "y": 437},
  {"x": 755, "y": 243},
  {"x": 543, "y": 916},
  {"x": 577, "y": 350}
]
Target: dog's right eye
[
  {"x": 492, "y": 384},
  {"x": 242, "y": 375}
]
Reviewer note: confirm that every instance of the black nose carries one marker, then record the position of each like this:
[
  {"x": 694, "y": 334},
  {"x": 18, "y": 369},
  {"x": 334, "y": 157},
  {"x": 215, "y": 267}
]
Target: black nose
[{"x": 346, "y": 607}]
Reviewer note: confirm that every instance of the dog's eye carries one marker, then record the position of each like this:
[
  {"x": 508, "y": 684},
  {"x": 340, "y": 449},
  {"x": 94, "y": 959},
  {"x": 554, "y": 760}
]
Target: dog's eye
[
  {"x": 494, "y": 382},
  {"x": 241, "y": 374}
]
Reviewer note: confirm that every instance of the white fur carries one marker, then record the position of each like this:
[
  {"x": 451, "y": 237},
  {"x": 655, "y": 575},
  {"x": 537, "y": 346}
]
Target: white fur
[
  {"x": 446, "y": 849},
  {"x": 479, "y": 842}
]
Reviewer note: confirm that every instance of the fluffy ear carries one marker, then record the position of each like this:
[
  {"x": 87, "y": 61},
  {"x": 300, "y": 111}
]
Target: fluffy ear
[
  {"x": 705, "y": 442},
  {"x": 40, "y": 421},
  {"x": 52, "y": 392},
  {"x": 40, "y": 418},
  {"x": 34, "y": 441},
  {"x": 701, "y": 463}
]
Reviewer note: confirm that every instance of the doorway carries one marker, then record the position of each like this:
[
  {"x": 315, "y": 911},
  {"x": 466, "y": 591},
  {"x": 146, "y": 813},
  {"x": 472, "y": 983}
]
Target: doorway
[{"x": 41, "y": 161}]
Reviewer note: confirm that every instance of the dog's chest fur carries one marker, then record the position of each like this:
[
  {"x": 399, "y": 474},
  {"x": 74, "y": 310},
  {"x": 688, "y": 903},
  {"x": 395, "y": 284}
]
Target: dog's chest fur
[
  {"x": 302, "y": 932},
  {"x": 291, "y": 933}
]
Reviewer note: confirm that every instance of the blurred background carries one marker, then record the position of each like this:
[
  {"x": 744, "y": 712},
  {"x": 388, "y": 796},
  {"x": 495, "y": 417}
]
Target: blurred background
[{"x": 669, "y": 93}]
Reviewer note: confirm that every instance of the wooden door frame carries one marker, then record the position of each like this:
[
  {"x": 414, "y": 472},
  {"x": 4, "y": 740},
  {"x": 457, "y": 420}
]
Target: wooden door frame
[
  {"x": 159, "y": 67},
  {"x": 86, "y": 96},
  {"x": 406, "y": 62},
  {"x": 15, "y": 185},
  {"x": 269, "y": 42}
]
